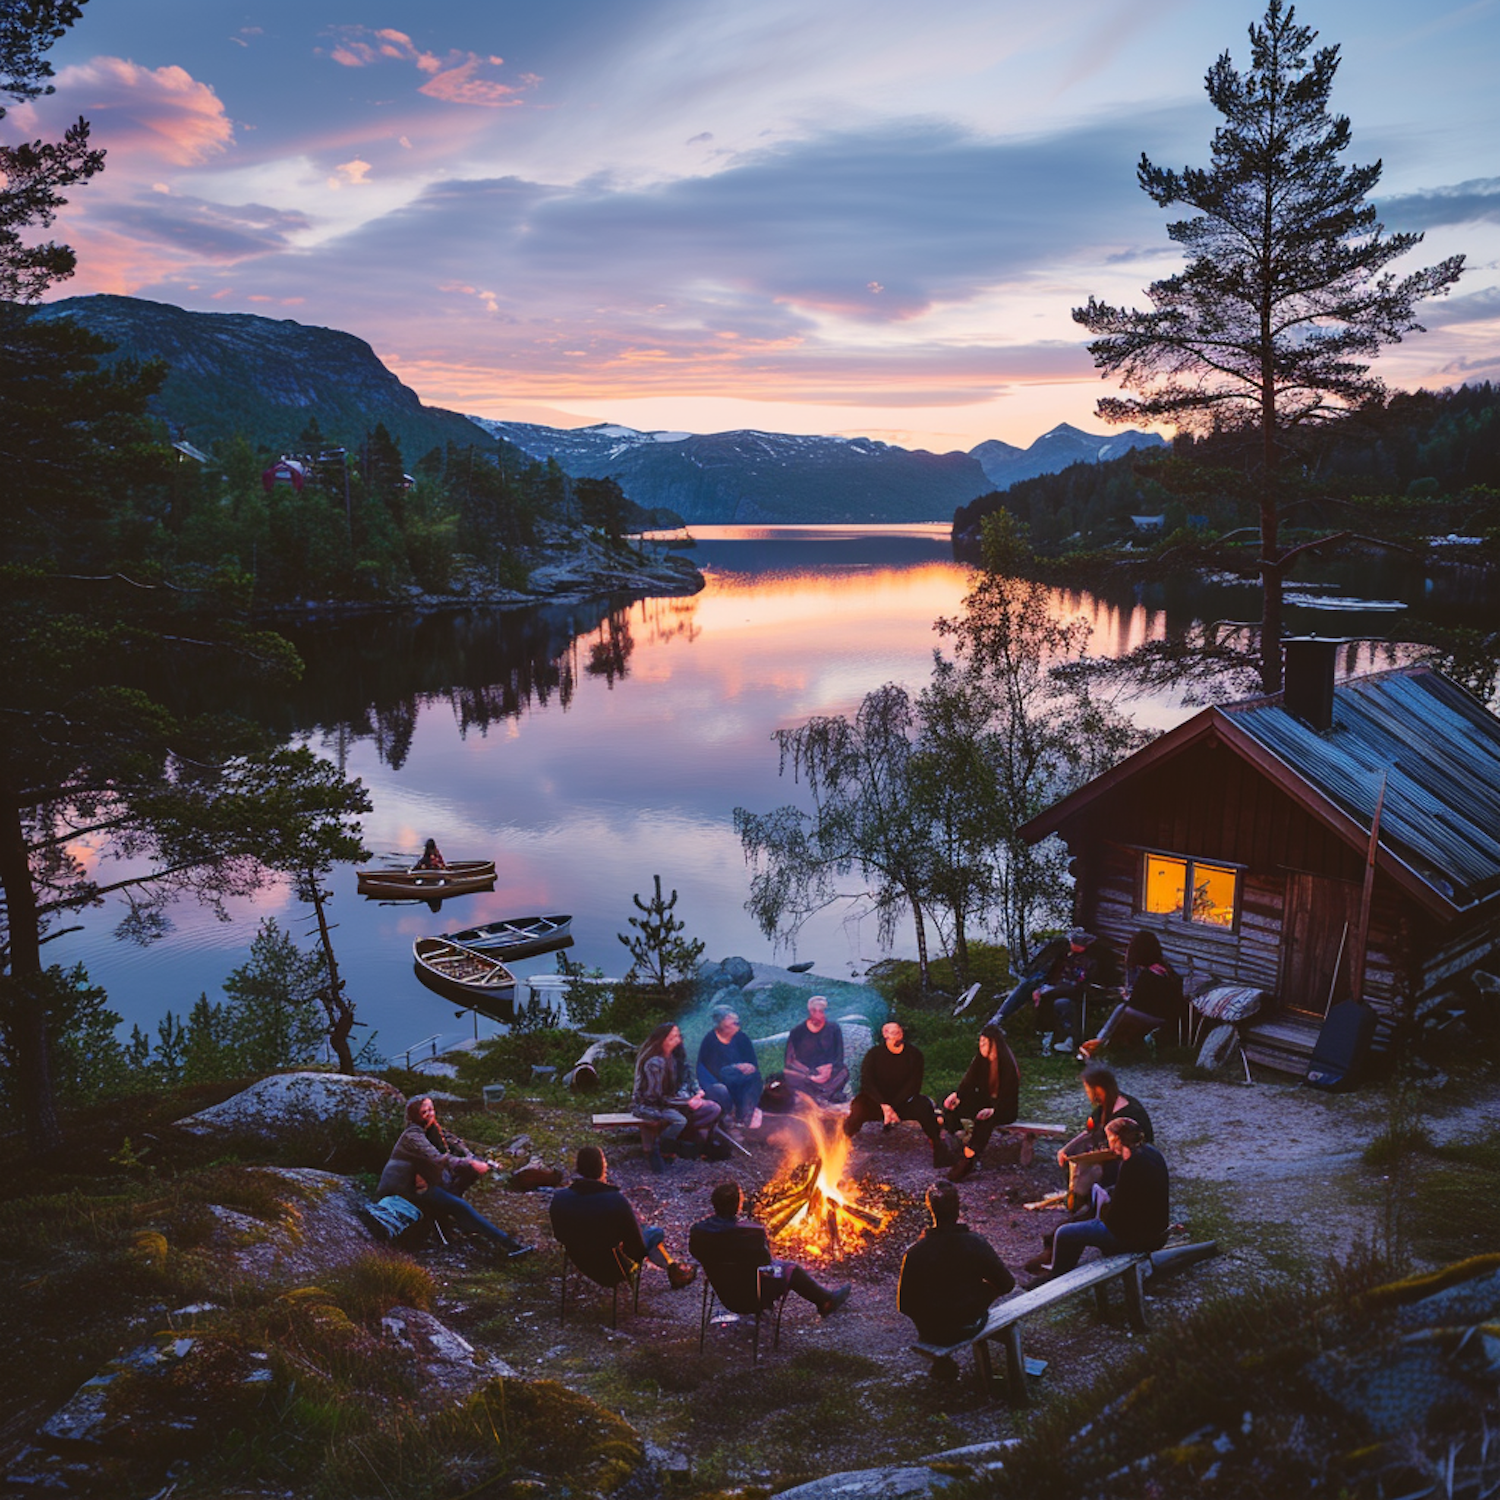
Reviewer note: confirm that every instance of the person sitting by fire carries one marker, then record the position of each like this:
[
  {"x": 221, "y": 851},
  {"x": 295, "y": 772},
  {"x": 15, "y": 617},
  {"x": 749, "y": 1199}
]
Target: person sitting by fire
[
  {"x": 1087, "y": 961},
  {"x": 1135, "y": 1214},
  {"x": 949, "y": 1277},
  {"x": 988, "y": 1094},
  {"x": 432, "y": 1170},
  {"x": 593, "y": 1220},
  {"x": 890, "y": 1089},
  {"x": 727, "y": 1070},
  {"x": 1085, "y": 1178},
  {"x": 1152, "y": 996},
  {"x": 432, "y": 858},
  {"x": 814, "y": 1063},
  {"x": 736, "y": 1257},
  {"x": 687, "y": 1118}
]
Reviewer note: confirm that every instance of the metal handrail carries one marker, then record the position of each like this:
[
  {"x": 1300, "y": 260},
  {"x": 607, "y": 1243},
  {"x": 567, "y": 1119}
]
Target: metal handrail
[{"x": 434, "y": 1039}]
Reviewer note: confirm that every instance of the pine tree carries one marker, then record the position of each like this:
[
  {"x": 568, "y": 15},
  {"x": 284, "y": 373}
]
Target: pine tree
[
  {"x": 1285, "y": 295},
  {"x": 659, "y": 950},
  {"x": 33, "y": 174}
]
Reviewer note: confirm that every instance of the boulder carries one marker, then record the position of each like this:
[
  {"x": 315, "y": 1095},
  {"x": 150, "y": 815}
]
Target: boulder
[
  {"x": 893, "y": 1483},
  {"x": 447, "y": 1359},
  {"x": 733, "y": 973},
  {"x": 273, "y": 1105}
]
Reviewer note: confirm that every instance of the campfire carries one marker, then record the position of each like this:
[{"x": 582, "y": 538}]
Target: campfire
[{"x": 810, "y": 1208}]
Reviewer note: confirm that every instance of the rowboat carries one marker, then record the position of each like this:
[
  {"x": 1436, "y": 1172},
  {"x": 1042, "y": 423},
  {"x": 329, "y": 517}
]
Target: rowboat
[
  {"x": 467, "y": 978},
  {"x": 515, "y": 937},
  {"x": 458, "y": 879}
]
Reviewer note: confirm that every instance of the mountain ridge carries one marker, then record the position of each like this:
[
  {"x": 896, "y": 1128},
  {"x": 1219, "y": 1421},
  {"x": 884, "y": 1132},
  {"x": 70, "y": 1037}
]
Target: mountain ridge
[
  {"x": 266, "y": 377},
  {"x": 749, "y": 475}
]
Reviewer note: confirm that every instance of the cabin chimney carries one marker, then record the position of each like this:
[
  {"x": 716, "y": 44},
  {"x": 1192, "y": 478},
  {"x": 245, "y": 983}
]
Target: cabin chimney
[{"x": 1309, "y": 679}]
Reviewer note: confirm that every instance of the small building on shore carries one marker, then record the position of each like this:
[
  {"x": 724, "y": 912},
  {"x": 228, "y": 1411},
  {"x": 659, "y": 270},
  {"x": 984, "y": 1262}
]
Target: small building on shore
[{"x": 1242, "y": 838}]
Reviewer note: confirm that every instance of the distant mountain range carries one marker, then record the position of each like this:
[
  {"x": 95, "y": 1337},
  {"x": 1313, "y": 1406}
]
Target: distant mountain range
[
  {"x": 265, "y": 377},
  {"x": 767, "y": 477},
  {"x": 759, "y": 477},
  {"x": 1005, "y": 464}
]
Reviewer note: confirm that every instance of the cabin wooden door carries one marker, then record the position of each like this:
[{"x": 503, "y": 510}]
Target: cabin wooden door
[{"x": 1312, "y": 931}]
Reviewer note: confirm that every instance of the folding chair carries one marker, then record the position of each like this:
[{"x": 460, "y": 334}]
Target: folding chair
[
  {"x": 711, "y": 1294},
  {"x": 628, "y": 1273}
]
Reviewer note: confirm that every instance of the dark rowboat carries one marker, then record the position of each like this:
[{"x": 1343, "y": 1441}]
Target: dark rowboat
[
  {"x": 458, "y": 879},
  {"x": 515, "y": 937},
  {"x": 467, "y": 978}
]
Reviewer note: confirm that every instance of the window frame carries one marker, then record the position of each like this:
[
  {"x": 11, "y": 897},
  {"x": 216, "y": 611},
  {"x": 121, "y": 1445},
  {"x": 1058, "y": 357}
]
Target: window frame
[{"x": 1183, "y": 914}]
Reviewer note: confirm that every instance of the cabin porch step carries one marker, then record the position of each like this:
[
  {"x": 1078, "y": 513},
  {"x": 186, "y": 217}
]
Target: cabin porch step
[
  {"x": 1281, "y": 1041},
  {"x": 1284, "y": 1042}
]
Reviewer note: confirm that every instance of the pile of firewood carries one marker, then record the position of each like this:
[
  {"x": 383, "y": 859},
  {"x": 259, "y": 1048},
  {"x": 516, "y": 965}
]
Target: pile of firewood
[{"x": 798, "y": 1201}]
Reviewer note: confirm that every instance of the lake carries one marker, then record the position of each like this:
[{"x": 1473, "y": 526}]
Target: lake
[{"x": 587, "y": 748}]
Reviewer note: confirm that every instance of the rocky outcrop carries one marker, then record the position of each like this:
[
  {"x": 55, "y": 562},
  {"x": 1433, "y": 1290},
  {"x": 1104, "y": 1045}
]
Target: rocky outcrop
[{"x": 269, "y": 1108}]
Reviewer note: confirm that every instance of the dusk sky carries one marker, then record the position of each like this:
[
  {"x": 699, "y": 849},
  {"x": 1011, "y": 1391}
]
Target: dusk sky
[{"x": 850, "y": 216}]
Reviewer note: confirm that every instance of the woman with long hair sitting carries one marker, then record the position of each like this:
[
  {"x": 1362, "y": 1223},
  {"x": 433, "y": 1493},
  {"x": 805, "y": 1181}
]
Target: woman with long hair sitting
[
  {"x": 432, "y": 1169},
  {"x": 661, "y": 1093},
  {"x": 988, "y": 1094},
  {"x": 1152, "y": 996}
]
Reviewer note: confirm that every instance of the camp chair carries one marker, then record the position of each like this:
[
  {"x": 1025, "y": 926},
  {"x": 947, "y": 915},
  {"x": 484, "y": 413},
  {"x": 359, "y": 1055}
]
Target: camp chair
[
  {"x": 628, "y": 1273},
  {"x": 731, "y": 1292}
]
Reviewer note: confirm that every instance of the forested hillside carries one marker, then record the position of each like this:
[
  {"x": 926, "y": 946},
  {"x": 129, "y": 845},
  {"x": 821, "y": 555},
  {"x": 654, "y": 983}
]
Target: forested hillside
[{"x": 1423, "y": 463}]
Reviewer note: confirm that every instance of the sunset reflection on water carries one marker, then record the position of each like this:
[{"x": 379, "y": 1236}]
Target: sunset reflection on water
[{"x": 659, "y": 725}]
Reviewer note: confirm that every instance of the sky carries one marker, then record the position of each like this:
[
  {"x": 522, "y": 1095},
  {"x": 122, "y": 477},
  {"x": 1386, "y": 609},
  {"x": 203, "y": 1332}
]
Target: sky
[{"x": 835, "y": 216}]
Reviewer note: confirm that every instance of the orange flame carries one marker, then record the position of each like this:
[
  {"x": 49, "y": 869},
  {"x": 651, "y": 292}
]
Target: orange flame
[{"x": 831, "y": 1216}]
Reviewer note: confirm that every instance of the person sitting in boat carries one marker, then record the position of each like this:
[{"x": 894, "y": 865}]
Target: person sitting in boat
[
  {"x": 1152, "y": 996},
  {"x": 1135, "y": 1214},
  {"x": 890, "y": 1089},
  {"x": 592, "y": 1219},
  {"x": 432, "y": 858},
  {"x": 688, "y": 1118},
  {"x": 736, "y": 1257},
  {"x": 432, "y": 1169},
  {"x": 814, "y": 1063},
  {"x": 727, "y": 1071},
  {"x": 949, "y": 1277},
  {"x": 988, "y": 1094}
]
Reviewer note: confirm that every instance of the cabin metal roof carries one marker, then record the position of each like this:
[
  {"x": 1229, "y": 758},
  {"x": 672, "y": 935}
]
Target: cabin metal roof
[
  {"x": 1438, "y": 747},
  {"x": 1439, "y": 750}
]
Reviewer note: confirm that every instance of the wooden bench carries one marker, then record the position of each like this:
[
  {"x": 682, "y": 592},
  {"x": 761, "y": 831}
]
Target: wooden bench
[
  {"x": 649, "y": 1129},
  {"x": 1031, "y": 1131},
  {"x": 1004, "y": 1320}
]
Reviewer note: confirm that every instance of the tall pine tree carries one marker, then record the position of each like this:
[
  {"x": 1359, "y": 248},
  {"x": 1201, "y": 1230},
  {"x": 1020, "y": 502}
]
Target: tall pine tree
[{"x": 1285, "y": 295}]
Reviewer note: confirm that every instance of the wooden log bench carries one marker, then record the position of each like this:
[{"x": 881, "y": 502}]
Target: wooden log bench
[
  {"x": 650, "y": 1128},
  {"x": 1004, "y": 1321}
]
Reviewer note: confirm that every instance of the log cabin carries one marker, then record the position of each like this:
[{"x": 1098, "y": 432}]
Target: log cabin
[{"x": 1242, "y": 836}]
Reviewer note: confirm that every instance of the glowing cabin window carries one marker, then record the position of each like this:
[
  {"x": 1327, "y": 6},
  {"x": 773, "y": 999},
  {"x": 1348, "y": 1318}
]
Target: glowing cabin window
[
  {"x": 1213, "y": 895},
  {"x": 1166, "y": 885},
  {"x": 1190, "y": 890}
]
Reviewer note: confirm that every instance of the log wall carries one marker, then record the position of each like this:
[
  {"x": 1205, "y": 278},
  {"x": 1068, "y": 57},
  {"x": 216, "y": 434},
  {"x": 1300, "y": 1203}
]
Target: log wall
[{"x": 1209, "y": 804}]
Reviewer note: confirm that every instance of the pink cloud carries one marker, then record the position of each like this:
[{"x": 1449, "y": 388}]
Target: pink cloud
[
  {"x": 462, "y": 85},
  {"x": 159, "y": 113},
  {"x": 460, "y": 77}
]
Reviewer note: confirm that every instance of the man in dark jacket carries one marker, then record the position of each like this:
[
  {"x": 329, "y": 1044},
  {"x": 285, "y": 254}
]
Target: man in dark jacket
[
  {"x": 1087, "y": 961},
  {"x": 733, "y": 1253},
  {"x": 1135, "y": 1214},
  {"x": 890, "y": 1089},
  {"x": 595, "y": 1224},
  {"x": 949, "y": 1277}
]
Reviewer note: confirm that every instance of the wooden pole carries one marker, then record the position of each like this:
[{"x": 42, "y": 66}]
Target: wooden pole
[{"x": 1362, "y": 932}]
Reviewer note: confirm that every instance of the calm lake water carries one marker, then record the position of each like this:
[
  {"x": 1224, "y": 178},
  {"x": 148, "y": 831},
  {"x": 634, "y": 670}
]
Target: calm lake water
[{"x": 587, "y": 748}]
